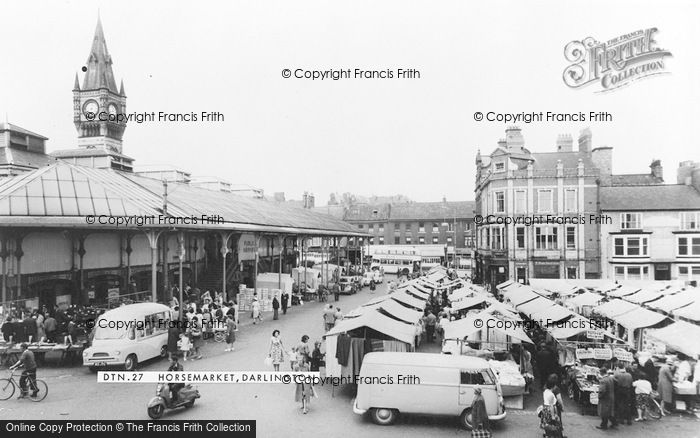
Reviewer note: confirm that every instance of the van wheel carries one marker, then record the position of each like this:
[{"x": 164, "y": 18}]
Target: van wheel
[
  {"x": 164, "y": 351},
  {"x": 384, "y": 416},
  {"x": 466, "y": 419},
  {"x": 130, "y": 362}
]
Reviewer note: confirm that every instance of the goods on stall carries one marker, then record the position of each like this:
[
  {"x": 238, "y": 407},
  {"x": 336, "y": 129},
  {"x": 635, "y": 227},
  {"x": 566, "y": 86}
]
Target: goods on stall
[{"x": 512, "y": 382}]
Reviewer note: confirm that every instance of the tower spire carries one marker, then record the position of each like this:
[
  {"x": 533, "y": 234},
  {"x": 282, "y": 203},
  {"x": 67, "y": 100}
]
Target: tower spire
[
  {"x": 76, "y": 85},
  {"x": 99, "y": 72}
]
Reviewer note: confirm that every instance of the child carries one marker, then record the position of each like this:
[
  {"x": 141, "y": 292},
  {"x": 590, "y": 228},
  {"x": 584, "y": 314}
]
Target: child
[{"x": 184, "y": 345}]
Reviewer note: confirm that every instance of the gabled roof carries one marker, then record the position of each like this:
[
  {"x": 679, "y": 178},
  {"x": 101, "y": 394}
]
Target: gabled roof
[
  {"x": 6, "y": 126},
  {"x": 649, "y": 197},
  {"x": 20, "y": 157},
  {"x": 548, "y": 160},
  {"x": 67, "y": 193},
  {"x": 432, "y": 210}
]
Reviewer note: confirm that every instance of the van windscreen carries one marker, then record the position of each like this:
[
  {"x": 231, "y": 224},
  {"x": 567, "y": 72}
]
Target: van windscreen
[{"x": 104, "y": 330}]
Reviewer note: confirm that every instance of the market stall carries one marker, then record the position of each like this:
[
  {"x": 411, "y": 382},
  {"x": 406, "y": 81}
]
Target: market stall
[{"x": 352, "y": 338}]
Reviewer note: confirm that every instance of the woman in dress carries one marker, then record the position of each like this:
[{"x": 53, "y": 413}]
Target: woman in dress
[
  {"x": 480, "y": 418},
  {"x": 666, "y": 386},
  {"x": 256, "y": 311},
  {"x": 549, "y": 416},
  {"x": 230, "y": 332},
  {"x": 276, "y": 352},
  {"x": 304, "y": 391},
  {"x": 40, "y": 333}
]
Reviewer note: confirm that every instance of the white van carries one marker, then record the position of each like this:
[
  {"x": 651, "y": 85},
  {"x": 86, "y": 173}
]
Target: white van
[
  {"x": 425, "y": 383},
  {"x": 128, "y": 335}
]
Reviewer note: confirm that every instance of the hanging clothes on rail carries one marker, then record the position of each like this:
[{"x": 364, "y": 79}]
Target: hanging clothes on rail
[{"x": 343, "y": 349}]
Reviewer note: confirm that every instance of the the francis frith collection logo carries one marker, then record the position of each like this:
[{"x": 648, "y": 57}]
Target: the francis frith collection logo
[{"x": 614, "y": 63}]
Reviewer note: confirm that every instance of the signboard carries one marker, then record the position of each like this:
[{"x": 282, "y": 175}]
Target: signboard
[
  {"x": 583, "y": 354},
  {"x": 113, "y": 293},
  {"x": 91, "y": 294},
  {"x": 623, "y": 355},
  {"x": 593, "y": 334},
  {"x": 247, "y": 247},
  {"x": 593, "y": 398},
  {"x": 602, "y": 353}
]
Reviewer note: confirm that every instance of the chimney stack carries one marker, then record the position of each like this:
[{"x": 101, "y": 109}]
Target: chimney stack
[
  {"x": 565, "y": 143},
  {"x": 585, "y": 140},
  {"x": 657, "y": 170},
  {"x": 514, "y": 139},
  {"x": 685, "y": 172}
]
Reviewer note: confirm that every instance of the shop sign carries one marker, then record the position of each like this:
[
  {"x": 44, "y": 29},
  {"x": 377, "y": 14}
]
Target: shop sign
[
  {"x": 584, "y": 354},
  {"x": 602, "y": 353},
  {"x": 593, "y": 334},
  {"x": 247, "y": 247},
  {"x": 623, "y": 355},
  {"x": 593, "y": 398}
]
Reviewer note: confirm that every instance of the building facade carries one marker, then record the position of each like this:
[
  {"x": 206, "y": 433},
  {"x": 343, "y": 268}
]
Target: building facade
[
  {"x": 416, "y": 224},
  {"x": 529, "y": 208},
  {"x": 655, "y": 229}
]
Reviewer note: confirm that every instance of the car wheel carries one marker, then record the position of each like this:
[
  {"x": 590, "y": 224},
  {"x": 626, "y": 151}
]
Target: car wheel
[
  {"x": 384, "y": 416},
  {"x": 130, "y": 362},
  {"x": 466, "y": 419}
]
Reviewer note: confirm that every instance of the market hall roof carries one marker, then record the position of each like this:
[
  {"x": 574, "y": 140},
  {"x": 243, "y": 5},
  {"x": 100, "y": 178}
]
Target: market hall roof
[
  {"x": 63, "y": 194},
  {"x": 649, "y": 197}
]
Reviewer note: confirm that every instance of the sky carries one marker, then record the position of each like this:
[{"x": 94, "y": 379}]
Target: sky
[{"x": 415, "y": 137}]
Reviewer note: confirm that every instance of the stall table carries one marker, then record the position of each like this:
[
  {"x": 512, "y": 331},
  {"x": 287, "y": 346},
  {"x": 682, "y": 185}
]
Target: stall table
[{"x": 9, "y": 354}]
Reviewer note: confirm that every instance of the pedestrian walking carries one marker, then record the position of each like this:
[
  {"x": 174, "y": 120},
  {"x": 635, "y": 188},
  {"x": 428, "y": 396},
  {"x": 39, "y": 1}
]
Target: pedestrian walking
[
  {"x": 256, "y": 311},
  {"x": 275, "y": 308},
  {"x": 480, "y": 417},
  {"x": 285, "y": 302},
  {"x": 196, "y": 332},
  {"x": 623, "y": 390},
  {"x": 550, "y": 420},
  {"x": 276, "y": 352},
  {"x": 184, "y": 345},
  {"x": 304, "y": 391},
  {"x": 430, "y": 320},
  {"x": 666, "y": 386},
  {"x": 337, "y": 316},
  {"x": 606, "y": 400},
  {"x": 642, "y": 392},
  {"x": 303, "y": 350},
  {"x": 328, "y": 317},
  {"x": 173, "y": 337},
  {"x": 230, "y": 332},
  {"x": 317, "y": 357}
]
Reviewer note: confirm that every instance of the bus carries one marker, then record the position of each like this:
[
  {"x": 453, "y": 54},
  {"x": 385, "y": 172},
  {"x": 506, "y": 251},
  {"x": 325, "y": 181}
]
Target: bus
[{"x": 396, "y": 261}]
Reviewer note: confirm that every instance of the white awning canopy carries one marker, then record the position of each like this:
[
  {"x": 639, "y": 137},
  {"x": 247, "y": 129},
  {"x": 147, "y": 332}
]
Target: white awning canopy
[
  {"x": 376, "y": 321},
  {"x": 680, "y": 336}
]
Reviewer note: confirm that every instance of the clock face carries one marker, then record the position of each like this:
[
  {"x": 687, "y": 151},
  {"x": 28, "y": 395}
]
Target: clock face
[
  {"x": 112, "y": 109},
  {"x": 91, "y": 107}
]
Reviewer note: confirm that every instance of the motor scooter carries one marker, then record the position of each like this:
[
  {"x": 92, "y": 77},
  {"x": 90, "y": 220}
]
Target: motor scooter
[{"x": 162, "y": 401}]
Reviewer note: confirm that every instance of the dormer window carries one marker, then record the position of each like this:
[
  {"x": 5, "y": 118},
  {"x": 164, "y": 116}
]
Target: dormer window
[{"x": 499, "y": 167}]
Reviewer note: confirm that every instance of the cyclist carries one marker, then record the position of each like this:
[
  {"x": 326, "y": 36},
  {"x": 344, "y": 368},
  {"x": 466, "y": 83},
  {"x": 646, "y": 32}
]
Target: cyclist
[{"x": 26, "y": 359}]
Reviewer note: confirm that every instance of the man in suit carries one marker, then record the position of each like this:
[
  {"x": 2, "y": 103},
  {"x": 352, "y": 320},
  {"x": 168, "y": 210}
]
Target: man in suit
[
  {"x": 606, "y": 400},
  {"x": 623, "y": 391}
]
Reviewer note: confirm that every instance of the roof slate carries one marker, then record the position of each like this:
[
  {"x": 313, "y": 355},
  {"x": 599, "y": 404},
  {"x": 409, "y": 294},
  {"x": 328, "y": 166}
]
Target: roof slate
[{"x": 649, "y": 197}]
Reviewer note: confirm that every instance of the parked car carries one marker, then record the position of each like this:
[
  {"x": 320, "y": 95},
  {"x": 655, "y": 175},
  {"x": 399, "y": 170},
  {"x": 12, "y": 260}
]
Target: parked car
[
  {"x": 347, "y": 285},
  {"x": 378, "y": 276},
  {"x": 367, "y": 278}
]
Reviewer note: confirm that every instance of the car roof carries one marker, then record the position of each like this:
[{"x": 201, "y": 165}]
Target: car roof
[
  {"x": 433, "y": 360},
  {"x": 135, "y": 310}
]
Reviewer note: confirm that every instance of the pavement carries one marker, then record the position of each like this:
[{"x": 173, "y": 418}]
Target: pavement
[{"x": 75, "y": 394}]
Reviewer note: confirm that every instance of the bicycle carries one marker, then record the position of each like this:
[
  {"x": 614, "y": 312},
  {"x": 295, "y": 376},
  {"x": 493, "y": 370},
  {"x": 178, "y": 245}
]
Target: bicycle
[
  {"x": 36, "y": 386},
  {"x": 653, "y": 408}
]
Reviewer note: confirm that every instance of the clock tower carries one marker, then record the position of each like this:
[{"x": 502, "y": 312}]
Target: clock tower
[{"x": 98, "y": 102}]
